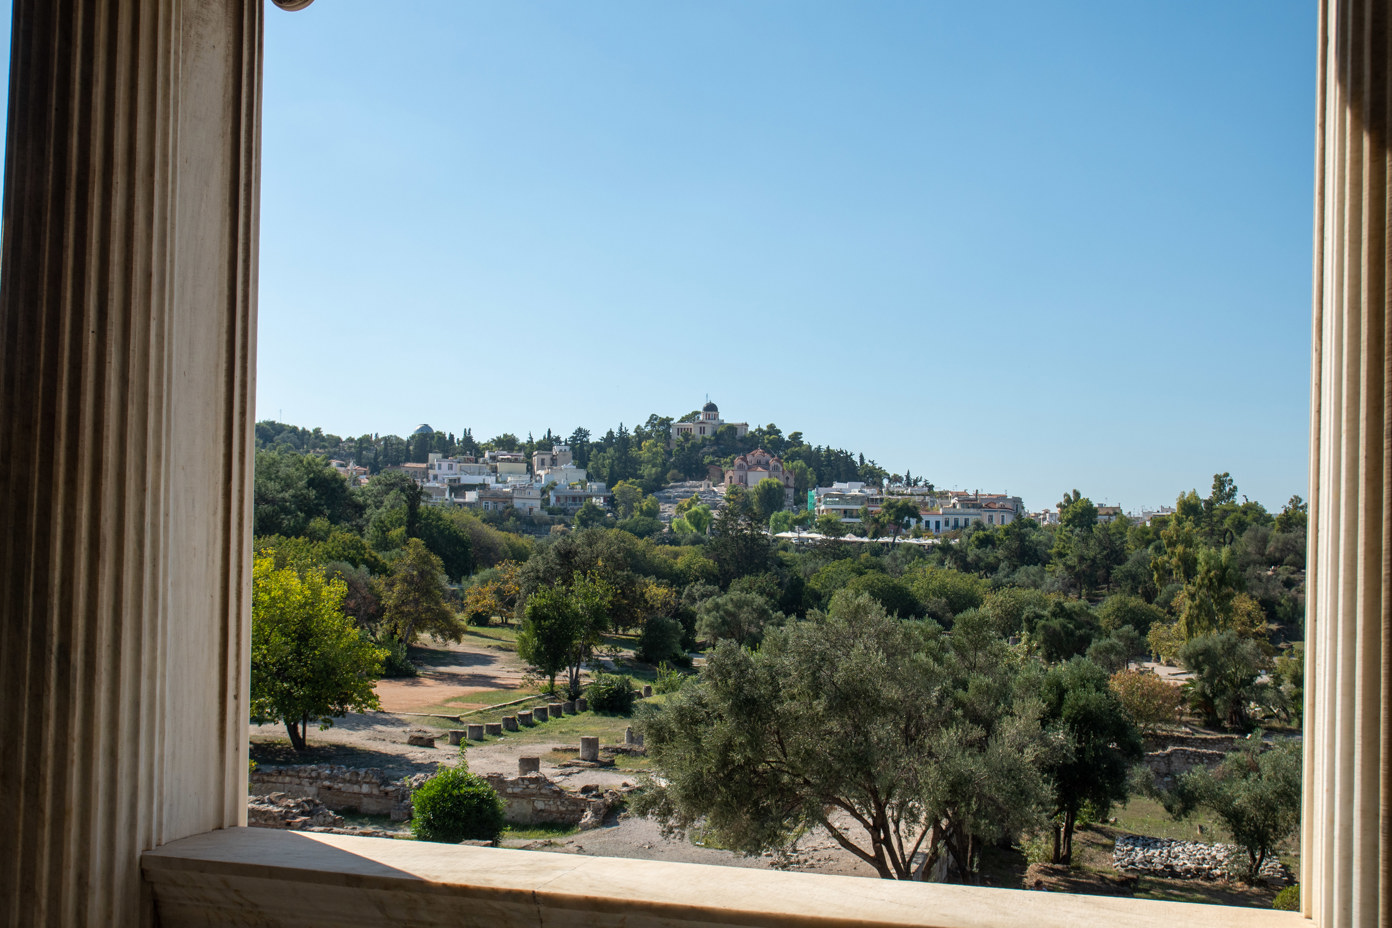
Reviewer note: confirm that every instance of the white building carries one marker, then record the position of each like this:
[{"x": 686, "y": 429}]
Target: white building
[
  {"x": 567, "y": 476},
  {"x": 845, "y": 500},
  {"x": 572, "y": 498},
  {"x": 964, "y": 509},
  {"x": 558, "y": 456},
  {"x": 706, "y": 425},
  {"x": 448, "y": 471}
]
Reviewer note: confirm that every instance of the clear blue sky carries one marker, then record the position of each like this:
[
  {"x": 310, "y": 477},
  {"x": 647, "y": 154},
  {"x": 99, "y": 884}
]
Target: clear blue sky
[{"x": 1014, "y": 246}]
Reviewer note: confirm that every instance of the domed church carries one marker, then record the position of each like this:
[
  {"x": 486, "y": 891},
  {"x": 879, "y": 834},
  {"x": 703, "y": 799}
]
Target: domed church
[{"x": 707, "y": 425}]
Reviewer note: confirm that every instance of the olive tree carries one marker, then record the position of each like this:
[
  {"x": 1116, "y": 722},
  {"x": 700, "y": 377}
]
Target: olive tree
[
  {"x": 894, "y": 736},
  {"x": 1254, "y": 792}
]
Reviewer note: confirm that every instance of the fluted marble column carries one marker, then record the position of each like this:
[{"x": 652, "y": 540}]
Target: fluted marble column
[
  {"x": 1346, "y": 850},
  {"x": 127, "y": 328}
]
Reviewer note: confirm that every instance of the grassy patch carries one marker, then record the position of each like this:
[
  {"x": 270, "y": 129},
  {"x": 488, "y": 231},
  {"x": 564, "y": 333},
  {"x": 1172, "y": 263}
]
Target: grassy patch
[
  {"x": 634, "y": 762},
  {"x": 608, "y": 728},
  {"x": 492, "y": 635},
  {"x": 484, "y": 699},
  {"x": 538, "y": 832},
  {"x": 1144, "y": 816}
]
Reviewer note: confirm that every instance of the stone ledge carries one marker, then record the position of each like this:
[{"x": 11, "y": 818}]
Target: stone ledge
[{"x": 242, "y": 876}]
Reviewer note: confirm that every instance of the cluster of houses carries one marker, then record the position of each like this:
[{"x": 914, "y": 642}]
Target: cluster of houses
[
  {"x": 939, "y": 511},
  {"x": 503, "y": 480},
  {"x": 500, "y": 480}
]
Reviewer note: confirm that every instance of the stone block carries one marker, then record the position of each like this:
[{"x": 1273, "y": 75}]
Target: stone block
[
  {"x": 456, "y": 735},
  {"x": 475, "y": 732},
  {"x": 525, "y": 717},
  {"x": 555, "y": 709},
  {"x": 528, "y": 766},
  {"x": 568, "y": 708},
  {"x": 421, "y": 741},
  {"x": 647, "y": 691},
  {"x": 541, "y": 713},
  {"x": 510, "y": 723},
  {"x": 589, "y": 748},
  {"x": 581, "y": 704},
  {"x": 492, "y": 728}
]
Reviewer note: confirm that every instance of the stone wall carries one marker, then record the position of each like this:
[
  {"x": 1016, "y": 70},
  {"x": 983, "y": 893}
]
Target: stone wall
[
  {"x": 535, "y": 800},
  {"x": 1189, "y": 859},
  {"x": 343, "y": 789},
  {"x": 531, "y": 800},
  {"x": 1198, "y": 740},
  {"x": 1172, "y": 755},
  {"x": 1173, "y": 762}
]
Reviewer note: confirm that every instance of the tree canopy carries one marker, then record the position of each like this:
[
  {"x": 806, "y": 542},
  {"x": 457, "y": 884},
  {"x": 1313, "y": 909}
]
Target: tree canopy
[
  {"x": 308, "y": 662},
  {"x": 892, "y": 735}
]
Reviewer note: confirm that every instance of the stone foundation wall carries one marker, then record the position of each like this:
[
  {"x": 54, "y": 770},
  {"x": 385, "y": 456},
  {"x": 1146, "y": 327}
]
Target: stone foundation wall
[
  {"x": 343, "y": 789},
  {"x": 1170, "y": 756},
  {"x": 1173, "y": 762},
  {"x": 535, "y": 800}
]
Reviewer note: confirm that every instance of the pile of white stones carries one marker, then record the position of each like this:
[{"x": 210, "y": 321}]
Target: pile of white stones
[
  {"x": 278, "y": 810},
  {"x": 1189, "y": 859}
]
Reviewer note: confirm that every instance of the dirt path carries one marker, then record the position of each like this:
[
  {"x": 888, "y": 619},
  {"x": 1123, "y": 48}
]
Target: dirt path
[{"x": 447, "y": 671}]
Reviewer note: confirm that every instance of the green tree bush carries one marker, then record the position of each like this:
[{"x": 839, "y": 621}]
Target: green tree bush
[
  {"x": 455, "y": 805},
  {"x": 1227, "y": 678},
  {"x": 660, "y": 641},
  {"x": 611, "y": 692},
  {"x": 1102, "y": 743},
  {"x": 563, "y": 625},
  {"x": 738, "y": 616},
  {"x": 894, "y": 595},
  {"x": 961, "y": 591},
  {"x": 308, "y": 661},
  {"x": 413, "y": 596}
]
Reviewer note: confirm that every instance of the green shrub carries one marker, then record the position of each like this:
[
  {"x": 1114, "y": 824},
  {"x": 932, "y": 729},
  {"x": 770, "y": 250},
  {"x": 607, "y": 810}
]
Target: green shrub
[
  {"x": 610, "y": 692},
  {"x": 1288, "y": 899},
  {"x": 669, "y": 679},
  {"x": 1038, "y": 847},
  {"x": 455, "y": 805},
  {"x": 396, "y": 663},
  {"x": 894, "y": 595},
  {"x": 660, "y": 640}
]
